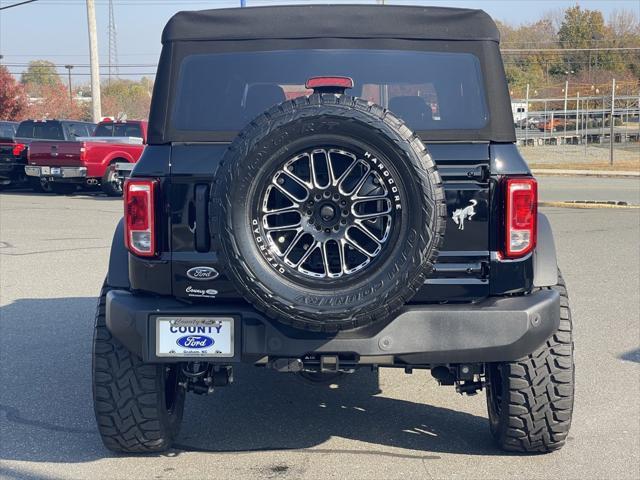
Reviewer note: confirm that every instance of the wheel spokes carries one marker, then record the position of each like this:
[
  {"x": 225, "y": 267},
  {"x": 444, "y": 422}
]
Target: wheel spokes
[
  {"x": 354, "y": 178},
  {"x": 371, "y": 208},
  {"x": 320, "y": 170},
  {"x": 291, "y": 186},
  {"x": 327, "y": 213},
  {"x": 363, "y": 240},
  {"x": 340, "y": 162}
]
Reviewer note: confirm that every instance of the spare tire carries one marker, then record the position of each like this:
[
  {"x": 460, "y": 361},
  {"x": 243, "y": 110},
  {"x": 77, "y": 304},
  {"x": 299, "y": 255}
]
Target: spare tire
[{"x": 329, "y": 212}]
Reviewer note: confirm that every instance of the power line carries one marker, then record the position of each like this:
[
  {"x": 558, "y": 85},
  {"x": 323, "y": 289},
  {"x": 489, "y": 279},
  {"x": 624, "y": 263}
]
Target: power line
[
  {"x": 564, "y": 50},
  {"x": 506, "y": 51},
  {"x": 88, "y": 74},
  {"x": 18, "y": 4},
  {"x": 75, "y": 64}
]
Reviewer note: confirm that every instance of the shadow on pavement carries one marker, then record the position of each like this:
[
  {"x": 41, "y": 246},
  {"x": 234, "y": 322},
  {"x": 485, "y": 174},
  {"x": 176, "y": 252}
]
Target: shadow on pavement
[
  {"x": 80, "y": 194},
  {"x": 46, "y": 412},
  {"x": 631, "y": 356}
]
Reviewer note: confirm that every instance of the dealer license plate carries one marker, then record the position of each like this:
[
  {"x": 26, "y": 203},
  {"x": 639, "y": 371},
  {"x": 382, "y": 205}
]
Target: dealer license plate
[
  {"x": 194, "y": 337},
  {"x": 55, "y": 170}
]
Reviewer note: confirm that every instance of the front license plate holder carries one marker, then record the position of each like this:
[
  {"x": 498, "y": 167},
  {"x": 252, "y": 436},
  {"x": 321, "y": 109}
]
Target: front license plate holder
[{"x": 206, "y": 337}]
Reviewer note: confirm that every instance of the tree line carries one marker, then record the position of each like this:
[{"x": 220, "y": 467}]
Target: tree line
[
  {"x": 42, "y": 93},
  {"x": 576, "y": 45}
]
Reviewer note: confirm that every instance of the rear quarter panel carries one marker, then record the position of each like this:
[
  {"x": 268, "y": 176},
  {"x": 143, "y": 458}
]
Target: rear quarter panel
[{"x": 100, "y": 155}]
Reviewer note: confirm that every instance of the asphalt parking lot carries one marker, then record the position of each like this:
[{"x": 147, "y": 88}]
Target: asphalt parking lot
[{"x": 53, "y": 258}]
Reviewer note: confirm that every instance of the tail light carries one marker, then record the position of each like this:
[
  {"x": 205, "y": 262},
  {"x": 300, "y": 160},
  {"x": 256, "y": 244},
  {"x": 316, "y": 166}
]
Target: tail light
[
  {"x": 83, "y": 152},
  {"x": 139, "y": 215},
  {"x": 18, "y": 148},
  {"x": 521, "y": 215}
]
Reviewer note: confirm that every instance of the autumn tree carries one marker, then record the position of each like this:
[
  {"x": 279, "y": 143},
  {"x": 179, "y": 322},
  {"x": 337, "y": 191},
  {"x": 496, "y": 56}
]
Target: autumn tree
[
  {"x": 126, "y": 97},
  {"x": 13, "y": 98},
  {"x": 582, "y": 29},
  {"x": 54, "y": 102},
  {"x": 531, "y": 66},
  {"x": 536, "y": 53},
  {"x": 40, "y": 74},
  {"x": 624, "y": 31}
]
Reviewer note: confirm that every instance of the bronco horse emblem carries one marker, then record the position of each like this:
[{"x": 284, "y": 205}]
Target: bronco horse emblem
[{"x": 460, "y": 214}]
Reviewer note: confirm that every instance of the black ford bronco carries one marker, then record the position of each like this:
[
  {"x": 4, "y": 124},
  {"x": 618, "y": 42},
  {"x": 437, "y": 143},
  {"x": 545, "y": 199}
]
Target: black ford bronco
[{"x": 328, "y": 188}]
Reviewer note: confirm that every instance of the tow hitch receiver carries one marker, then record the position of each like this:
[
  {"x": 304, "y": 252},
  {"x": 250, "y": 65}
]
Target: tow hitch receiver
[
  {"x": 466, "y": 377},
  {"x": 201, "y": 378},
  {"x": 322, "y": 363},
  {"x": 329, "y": 363}
]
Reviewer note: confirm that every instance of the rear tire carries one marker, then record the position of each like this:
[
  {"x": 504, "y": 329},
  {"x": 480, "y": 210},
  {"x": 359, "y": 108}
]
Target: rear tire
[
  {"x": 530, "y": 400},
  {"x": 39, "y": 185},
  {"x": 111, "y": 184},
  {"x": 138, "y": 406}
]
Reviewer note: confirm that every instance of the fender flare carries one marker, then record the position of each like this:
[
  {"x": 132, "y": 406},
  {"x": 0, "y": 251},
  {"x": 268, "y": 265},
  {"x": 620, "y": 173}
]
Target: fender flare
[
  {"x": 109, "y": 159},
  {"x": 545, "y": 262},
  {"x": 118, "y": 274}
]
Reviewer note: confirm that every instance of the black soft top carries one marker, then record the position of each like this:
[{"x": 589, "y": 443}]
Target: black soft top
[
  {"x": 326, "y": 27},
  {"x": 332, "y": 21}
]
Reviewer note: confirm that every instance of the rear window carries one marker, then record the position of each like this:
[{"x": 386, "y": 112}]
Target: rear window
[
  {"x": 78, "y": 130},
  {"x": 118, "y": 130},
  {"x": 7, "y": 130},
  {"x": 429, "y": 90},
  {"x": 40, "y": 130}
]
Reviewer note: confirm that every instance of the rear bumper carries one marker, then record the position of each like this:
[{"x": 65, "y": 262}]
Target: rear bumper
[
  {"x": 55, "y": 173},
  {"x": 496, "y": 329},
  {"x": 11, "y": 169}
]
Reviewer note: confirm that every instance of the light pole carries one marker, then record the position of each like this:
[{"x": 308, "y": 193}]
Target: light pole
[
  {"x": 566, "y": 93},
  {"x": 69, "y": 67}
]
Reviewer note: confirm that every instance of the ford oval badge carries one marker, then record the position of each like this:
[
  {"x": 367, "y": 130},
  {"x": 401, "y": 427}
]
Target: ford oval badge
[
  {"x": 195, "y": 341},
  {"x": 202, "y": 273}
]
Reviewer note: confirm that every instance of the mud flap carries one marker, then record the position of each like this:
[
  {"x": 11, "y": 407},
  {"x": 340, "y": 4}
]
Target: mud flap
[{"x": 545, "y": 263}]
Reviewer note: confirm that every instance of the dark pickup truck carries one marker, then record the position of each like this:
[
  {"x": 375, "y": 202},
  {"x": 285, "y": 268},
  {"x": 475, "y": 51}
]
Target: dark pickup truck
[
  {"x": 14, "y": 156},
  {"x": 326, "y": 189},
  {"x": 8, "y": 150}
]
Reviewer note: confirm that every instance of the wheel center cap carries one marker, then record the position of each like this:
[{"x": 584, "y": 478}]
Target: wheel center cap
[{"x": 327, "y": 212}]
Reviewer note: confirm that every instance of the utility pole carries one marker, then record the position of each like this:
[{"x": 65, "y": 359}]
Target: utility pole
[
  {"x": 577, "y": 110},
  {"x": 566, "y": 91},
  {"x": 69, "y": 67},
  {"x": 95, "y": 62},
  {"x": 611, "y": 120},
  {"x": 526, "y": 118},
  {"x": 380, "y": 2},
  {"x": 243, "y": 3}
]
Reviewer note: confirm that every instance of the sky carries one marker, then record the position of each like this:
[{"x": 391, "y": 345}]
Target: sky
[{"x": 56, "y": 30}]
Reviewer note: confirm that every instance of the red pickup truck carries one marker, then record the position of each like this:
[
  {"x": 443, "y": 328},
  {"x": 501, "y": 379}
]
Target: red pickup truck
[{"x": 88, "y": 161}]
